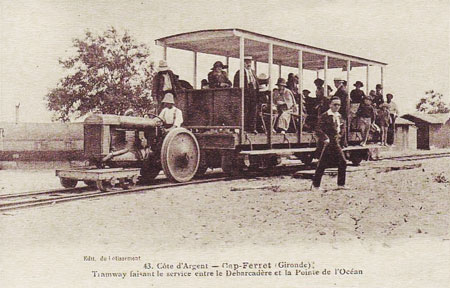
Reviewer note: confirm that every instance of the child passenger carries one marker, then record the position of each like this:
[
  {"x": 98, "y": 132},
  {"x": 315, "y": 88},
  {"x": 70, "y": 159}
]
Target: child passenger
[
  {"x": 384, "y": 119},
  {"x": 366, "y": 116}
]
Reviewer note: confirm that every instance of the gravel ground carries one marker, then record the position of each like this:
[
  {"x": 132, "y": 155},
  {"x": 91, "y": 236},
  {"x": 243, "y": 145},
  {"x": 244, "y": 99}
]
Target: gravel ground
[{"x": 382, "y": 207}]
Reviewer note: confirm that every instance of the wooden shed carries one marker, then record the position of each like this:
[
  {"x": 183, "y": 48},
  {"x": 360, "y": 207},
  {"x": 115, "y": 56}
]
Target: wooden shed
[
  {"x": 405, "y": 135},
  {"x": 433, "y": 130}
]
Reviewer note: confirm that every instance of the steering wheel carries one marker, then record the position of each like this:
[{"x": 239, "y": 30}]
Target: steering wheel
[{"x": 156, "y": 116}]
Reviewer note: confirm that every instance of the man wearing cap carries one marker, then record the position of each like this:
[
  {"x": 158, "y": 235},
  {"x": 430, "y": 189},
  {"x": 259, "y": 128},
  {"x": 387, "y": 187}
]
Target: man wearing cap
[
  {"x": 285, "y": 101},
  {"x": 330, "y": 132},
  {"x": 218, "y": 78},
  {"x": 378, "y": 98},
  {"x": 341, "y": 92},
  {"x": 251, "y": 86},
  {"x": 163, "y": 82},
  {"x": 357, "y": 95},
  {"x": 171, "y": 115},
  {"x": 393, "y": 112}
]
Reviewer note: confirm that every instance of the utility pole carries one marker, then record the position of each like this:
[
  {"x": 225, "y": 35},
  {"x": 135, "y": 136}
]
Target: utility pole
[{"x": 17, "y": 112}]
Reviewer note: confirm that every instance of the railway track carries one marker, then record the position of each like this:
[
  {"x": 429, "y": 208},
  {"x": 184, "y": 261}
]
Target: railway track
[
  {"x": 14, "y": 201},
  {"x": 10, "y": 202}
]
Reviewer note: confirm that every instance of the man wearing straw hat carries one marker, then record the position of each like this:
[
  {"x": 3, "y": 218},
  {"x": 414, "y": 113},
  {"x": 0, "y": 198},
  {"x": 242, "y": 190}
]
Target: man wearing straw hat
[
  {"x": 329, "y": 131},
  {"x": 164, "y": 82}
]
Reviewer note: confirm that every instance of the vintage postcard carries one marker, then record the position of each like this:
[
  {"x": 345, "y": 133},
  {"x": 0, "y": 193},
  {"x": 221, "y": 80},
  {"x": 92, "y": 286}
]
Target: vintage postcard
[{"x": 216, "y": 143}]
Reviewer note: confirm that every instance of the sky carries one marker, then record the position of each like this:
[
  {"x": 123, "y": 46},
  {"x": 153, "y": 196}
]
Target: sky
[{"x": 413, "y": 37}]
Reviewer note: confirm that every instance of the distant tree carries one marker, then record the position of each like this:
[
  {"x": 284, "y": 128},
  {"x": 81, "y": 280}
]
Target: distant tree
[
  {"x": 109, "y": 74},
  {"x": 432, "y": 103}
]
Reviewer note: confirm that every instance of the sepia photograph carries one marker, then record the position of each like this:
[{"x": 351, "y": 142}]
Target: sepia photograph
[{"x": 212, "y": 143}]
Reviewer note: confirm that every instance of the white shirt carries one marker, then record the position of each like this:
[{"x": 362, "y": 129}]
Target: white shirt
[
  {"x": 172, "y": 116},
  {"x": 336, "y": 119},
  {"x": 250, "y": 77},
  {"x": 167, "y": 83}
]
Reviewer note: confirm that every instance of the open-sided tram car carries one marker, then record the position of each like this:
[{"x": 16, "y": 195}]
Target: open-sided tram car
[{"x": 213, "y": 134}]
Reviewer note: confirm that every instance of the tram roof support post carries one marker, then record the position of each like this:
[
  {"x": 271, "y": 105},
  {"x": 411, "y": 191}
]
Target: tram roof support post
[
  {"x": 367, "y": 80},
  {"x": 256, "y": 67},
  {"x": 300, "y": 92},
  {"x": 270, "y": 64},
  {"x": 165, "y": 53},
  {"x": 382, "y": 81},
  {"x": 279, "y": 70},
  {"x": 195, "y": 71},
  {"x": 227, "y": 61},
  {"x": 241, "y": 84},
  {"x": 325, "y": 82},
  {"x": 348, "y": 100}
]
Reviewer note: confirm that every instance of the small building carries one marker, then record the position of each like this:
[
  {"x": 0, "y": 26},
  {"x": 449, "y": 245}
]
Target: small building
[
  {"x": 433, "y": 130},
  {"x": 405, "y": 135},
  {"x": 31, "y": 142}
]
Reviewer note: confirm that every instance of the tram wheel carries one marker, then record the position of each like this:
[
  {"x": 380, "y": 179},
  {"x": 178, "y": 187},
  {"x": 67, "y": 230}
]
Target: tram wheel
[
  {"x": 180, "y": 155},
  {"x": 90, "y": 183},
  {"x": 104, "y": 185},
  {"x": 68, "y": 183}
]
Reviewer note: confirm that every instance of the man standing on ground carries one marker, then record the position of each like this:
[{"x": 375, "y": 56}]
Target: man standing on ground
[{"x": 330, "y": 130}]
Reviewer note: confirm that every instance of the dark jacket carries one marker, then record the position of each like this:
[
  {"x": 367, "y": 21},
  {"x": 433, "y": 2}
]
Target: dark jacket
[
  {"x": 343, "y": 95},
  {"x": 326, "y": 129},
  {"x": 356, "y": 96},
  {"x": 158, "y": 84},
  {"x": 378, "y": 99},
  {"x": 237, "y": 79},
  {"x": 215, "y": 80},
  {"x": 366, "y": 111}
]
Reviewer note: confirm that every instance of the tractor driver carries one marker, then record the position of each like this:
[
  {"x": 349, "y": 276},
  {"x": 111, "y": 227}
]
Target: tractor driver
[{"x": 171, "y": 115}]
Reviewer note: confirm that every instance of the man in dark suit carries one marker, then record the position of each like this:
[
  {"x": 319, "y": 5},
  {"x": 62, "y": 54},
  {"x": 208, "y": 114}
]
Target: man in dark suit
[
  {"x": 330, "y": 131},
  {"x": 251, "y": 87},
  {"x": 165, "y": 81}
]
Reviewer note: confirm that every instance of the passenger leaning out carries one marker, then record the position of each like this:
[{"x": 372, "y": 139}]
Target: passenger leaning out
[
  {"x": 286, "y": 105},
  {"x": 218, "y": 78},
  {"x": 171, "y": 115}
]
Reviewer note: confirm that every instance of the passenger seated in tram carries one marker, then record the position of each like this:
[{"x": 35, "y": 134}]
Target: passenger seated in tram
[
  {"x": 286, "y": 106},
  {"x": 357, "y": 95},
  {"x": 183, "y": 83},
  {"x": 218, "y": 78},
  {"x": 171, "y": 115},
  {"x": 204, "y": 84},
  {"x": 292, "y": 84}
]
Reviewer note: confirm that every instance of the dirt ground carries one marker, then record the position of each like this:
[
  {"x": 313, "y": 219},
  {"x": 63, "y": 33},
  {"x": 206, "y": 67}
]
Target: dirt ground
[{"x": 381, "y": 207}]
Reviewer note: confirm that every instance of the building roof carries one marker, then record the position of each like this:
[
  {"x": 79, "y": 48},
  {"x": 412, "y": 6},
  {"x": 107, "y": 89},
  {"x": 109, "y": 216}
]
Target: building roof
[
  {"x": 226, "y": 42},
  {"x": 427, "y": 118},
  {"x": 402, "y": 121}
]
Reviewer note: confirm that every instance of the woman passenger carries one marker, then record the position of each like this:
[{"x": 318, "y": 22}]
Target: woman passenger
[{"x": 218, "y": 78}]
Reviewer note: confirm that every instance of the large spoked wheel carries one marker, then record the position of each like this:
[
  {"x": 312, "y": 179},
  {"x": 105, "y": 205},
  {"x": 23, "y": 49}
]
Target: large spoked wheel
[
  {"x": 180, "y": 155},
  {"x": 68, "y": 183}
]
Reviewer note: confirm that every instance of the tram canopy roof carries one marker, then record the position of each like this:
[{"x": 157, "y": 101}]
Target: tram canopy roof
[{"x": 226, "y": 42}]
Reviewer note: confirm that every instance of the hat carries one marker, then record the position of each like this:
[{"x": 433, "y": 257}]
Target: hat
[
  {"x": 367, "y": 98},
  {"x": 358, "y": 83},
  {"x": 318, "y": 82},
  {"x": 389, "y": 94},
  {"x": 219, "y": 64},
  {"x": 263, "y": 88},
  {"x": 338, "y": 79},
  {"x": 168, "y": 98},
  {"x": 306, "y": 91},
  {"x": 329, "y": 88},
  {"x": 248, "y": 58},
  {"x": 263, "y": 76},
  {"x": 281, "y": 82},
  {"x": 163, "y": 66},
  {"x": 379, "y": 86},
  {"x": 372, "y": 92}
]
